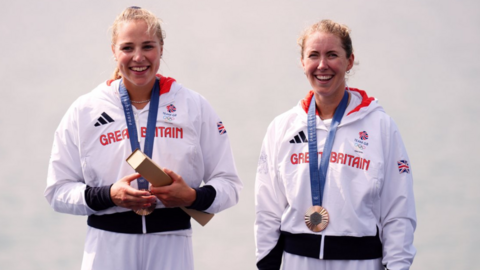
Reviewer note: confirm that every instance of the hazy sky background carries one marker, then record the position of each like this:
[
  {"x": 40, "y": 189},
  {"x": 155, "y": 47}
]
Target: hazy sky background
[{"x": 419, "y": 58}]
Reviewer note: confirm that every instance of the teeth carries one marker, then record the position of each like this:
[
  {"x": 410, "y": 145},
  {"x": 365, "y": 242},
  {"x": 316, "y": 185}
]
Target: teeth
[
  {"x": 139, "y": 68},
  {"x": 322, "y": 78}
]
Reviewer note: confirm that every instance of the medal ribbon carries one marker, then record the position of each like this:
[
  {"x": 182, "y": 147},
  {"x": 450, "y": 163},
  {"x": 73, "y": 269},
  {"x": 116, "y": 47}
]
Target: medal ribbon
[
  {"x": 318, "y": 175},
  {"x": 132, "y": 127}
]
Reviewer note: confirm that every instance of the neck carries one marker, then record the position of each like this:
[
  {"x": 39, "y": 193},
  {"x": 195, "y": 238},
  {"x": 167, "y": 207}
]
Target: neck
[
  {"x": 326, "y": 106},
  {"x": 139, "y": 93},
  {"x": 139, "y": 106}
]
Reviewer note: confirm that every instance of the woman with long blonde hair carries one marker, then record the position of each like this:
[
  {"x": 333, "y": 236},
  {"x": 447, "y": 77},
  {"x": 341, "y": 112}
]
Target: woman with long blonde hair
[{"x": 130, "y": 224}]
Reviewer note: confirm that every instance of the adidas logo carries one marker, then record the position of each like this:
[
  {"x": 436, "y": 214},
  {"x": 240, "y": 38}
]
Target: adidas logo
[
  {"x": 300, "y": 138},
  {"x": 104, "y": 119}
]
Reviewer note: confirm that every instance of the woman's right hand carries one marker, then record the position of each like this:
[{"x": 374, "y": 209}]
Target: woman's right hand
[{"x": 124, "y": 195}]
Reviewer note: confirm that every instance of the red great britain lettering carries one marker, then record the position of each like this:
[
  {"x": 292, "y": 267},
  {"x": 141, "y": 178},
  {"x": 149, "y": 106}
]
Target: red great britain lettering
[
  {"x": 340, "y": 158},
  {"x": 120, "y": 135}
]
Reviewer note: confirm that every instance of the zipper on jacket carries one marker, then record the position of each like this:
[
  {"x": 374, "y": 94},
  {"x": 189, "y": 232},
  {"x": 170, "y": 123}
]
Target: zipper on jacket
[
  {"x": 322, "y": 245},
  {"x": 144, "y": 225},
  {"x": 137, "y": 123}
]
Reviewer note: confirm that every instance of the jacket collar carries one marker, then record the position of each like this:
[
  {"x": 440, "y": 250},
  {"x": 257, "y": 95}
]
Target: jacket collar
[
  {"x": 365, "y": 101},
  {"x": 165, "y": 83}
]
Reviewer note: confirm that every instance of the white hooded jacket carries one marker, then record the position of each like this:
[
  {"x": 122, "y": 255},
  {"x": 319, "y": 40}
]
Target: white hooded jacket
[
  {"x": 91, "y": 145},
  {"x": 368, "y": 185}
]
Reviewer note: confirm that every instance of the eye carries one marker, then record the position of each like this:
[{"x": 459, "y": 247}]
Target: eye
[
  {"x": 126, "y": 48},
  {"x": 333, "y": 55},
  {"x": 148, "y": 47}
]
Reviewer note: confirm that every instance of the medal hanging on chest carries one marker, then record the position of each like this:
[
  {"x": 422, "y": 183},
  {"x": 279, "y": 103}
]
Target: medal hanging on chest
[
  {"x": 150, "y": 134},
  {"x": 316, "y": 217}
]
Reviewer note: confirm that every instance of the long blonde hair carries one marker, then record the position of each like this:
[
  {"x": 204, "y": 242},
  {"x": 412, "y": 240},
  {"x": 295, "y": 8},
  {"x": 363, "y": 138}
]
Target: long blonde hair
[{"x": 136, "y": 13}]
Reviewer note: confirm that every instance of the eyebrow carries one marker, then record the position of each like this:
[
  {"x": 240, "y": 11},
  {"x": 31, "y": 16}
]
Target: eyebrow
[
  {"x": 143, "y": 43},
  {"x": 316, "y": 51}
]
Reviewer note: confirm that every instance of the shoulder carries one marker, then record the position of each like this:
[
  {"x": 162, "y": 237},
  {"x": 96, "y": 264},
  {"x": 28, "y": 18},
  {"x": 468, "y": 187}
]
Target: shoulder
[
  {"x": 368, "y": 110},
  {"x": 294, "y": 116},
  {"x": 363, "y": 106},
  {"x": 286, "y": 117},
  {"x": 100, "y": 97},
  {"x": 293, "y": 119},
  {"x": 172, "y": 90},
  {"x": 104, "y": 92},
  {"x": 196, "y": 102},
  {"x": 189, "y": 94}
]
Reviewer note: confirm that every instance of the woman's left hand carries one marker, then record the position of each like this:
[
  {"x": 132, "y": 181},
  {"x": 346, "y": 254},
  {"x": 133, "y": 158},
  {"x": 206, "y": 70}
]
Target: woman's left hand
[{"x": 176, "y": 194}]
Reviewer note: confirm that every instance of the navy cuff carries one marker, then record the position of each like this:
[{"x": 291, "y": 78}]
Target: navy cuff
[
  {"x": 98, "y": 198},
  {"x": 273, "y": 260},
  {"x": 205, "y": 197}
]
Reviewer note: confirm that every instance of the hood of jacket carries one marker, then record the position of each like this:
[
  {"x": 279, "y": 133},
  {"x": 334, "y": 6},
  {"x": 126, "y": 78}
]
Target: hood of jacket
[{"x": 360, "y": 105}]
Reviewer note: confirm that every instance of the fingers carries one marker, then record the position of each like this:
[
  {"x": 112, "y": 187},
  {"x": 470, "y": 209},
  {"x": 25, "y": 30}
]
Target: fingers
[
  {"x": 172, "y": 174},
  {"x": 176, "y": 194},
  {"x": 124, "y": 195},
  {"x": 167, "y": 189},
  {"x": 131, "y": 177},
  {"x": 176, "y": 180}
]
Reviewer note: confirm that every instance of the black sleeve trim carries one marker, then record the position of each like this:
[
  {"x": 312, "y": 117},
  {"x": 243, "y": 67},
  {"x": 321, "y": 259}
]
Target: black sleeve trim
[
  {"x": 273, "y": 260},
  {"x": 98, "y": 198},
  {"x": 205, "y": 197}
]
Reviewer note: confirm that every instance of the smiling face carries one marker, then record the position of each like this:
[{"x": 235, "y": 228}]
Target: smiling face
[
  {"x": 138, "y": 53},
  {"x": 325, "y": 63}
]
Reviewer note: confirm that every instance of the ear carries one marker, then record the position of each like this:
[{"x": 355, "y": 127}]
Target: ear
[
  {"x": 303, "y": 63},
  {"x": 161, "y": 51},
  {"x": 113, "y": 50},
  {"x": 351, "y": 60}
]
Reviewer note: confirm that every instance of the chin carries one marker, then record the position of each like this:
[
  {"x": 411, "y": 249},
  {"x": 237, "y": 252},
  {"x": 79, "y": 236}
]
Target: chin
[
  {"x": 140, "y": 81},
  {"x": 323, "y": 91}
]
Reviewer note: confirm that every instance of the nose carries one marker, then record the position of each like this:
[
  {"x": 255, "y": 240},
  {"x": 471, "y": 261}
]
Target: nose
[
  {"x": 322, "y": 64},
  {"x": 138, "y": 56}
]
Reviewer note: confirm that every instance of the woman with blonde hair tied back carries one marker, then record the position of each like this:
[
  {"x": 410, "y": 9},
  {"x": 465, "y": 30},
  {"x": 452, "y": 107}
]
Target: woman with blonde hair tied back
[
  {"x": 334, "y": 188},
  {"x": 132, "y": 225}
]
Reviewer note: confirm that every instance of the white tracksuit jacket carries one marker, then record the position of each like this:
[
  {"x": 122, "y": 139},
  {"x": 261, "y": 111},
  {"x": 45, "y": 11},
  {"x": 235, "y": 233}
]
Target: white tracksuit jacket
[
  {"x": 91, "y": 145},
  {"x": 368, "y": 187}
]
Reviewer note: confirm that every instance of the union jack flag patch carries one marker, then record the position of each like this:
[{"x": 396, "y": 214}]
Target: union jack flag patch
[
  {"x": 221, "y": 128},
  {"x": 403, "y": 166}
]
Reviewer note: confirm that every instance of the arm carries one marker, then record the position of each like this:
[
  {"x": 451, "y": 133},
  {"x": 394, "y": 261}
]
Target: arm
[
  {"x": 222, "y": 184},
  {"x": 66, "y": 189},
  {"x": 178, "y": 193},
  {"x": 219, "y": 165},
  {"x": 398, "y": 217},
  {"x": 118, "y": 194},
  {"x": 270, "y": 203},
  {"x": 65, "y": 185}
]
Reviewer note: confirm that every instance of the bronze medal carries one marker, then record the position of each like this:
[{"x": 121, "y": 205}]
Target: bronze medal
[
  {"x": 146, "y": 211},
  {"x": 316, "y": 218}
]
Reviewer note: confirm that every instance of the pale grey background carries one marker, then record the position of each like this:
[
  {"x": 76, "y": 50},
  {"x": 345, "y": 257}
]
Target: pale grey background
[{"x": 419, "y": 58}]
